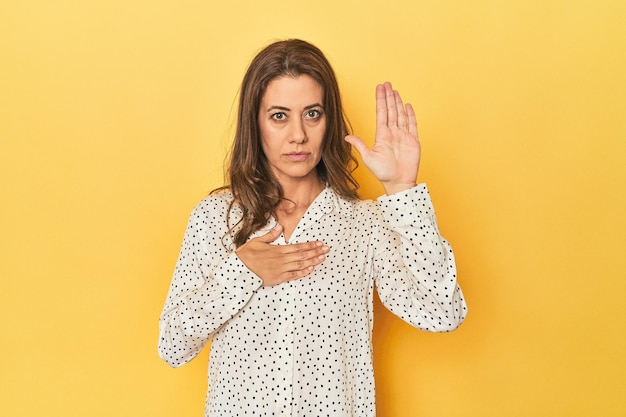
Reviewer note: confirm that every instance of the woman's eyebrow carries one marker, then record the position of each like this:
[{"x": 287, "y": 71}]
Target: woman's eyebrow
[
  {"x": 278, "y": 108},
  {"x": 283, "y": 108}
]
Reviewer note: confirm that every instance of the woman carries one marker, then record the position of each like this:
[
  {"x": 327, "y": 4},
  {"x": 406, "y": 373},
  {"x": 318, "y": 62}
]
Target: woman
[{"x": 278, "y": 267}]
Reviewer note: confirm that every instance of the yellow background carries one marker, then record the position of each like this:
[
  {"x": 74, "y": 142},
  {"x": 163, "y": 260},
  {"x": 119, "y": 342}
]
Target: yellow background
[{"x": 114, "y": 120}]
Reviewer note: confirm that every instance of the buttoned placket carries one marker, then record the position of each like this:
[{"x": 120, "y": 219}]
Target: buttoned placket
[
  {"x": 285, "y": 363},
  {"x": 287, "y": 326}
]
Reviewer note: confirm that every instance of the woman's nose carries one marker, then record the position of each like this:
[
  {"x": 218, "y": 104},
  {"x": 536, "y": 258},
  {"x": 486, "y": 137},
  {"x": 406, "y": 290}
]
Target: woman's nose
[{"x": 298, "y": 134}]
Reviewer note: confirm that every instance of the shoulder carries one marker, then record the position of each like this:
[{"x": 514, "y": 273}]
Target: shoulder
[
  {"x": 361, "y": 210},
  {"x": 214, "y": 206},
  {"x": 215, "y": 200}
]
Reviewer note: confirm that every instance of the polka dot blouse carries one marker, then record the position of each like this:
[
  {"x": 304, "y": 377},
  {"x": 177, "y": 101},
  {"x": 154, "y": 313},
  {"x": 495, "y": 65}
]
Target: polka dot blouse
[{"x": 304, "y": 348}]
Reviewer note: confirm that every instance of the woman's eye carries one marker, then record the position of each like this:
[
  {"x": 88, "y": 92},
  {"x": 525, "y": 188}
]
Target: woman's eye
[
  {"x": 279, "y": 116},
  {"x": 313, "y": 114}
]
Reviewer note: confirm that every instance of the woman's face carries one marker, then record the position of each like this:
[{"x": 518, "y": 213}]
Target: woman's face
[{"x": 292, "y": 123}]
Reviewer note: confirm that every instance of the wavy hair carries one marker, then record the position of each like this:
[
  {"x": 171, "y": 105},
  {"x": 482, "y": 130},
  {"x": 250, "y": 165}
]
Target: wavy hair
[{"x": 256, "y": 191}]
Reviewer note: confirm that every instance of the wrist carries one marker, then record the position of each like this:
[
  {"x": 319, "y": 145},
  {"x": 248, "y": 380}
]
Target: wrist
[{"x": 398, "y": 188}]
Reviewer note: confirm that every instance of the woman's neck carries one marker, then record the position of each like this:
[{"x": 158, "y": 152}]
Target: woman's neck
[
  {"x": 301, "y": 193},
  {"x": 296, "y": 201}
]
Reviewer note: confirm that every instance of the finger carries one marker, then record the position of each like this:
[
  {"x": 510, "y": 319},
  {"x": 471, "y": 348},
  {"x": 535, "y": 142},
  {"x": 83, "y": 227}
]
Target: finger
[
  {"x": 272, "y": 235},
  {"x": 299, "y": 263},
  {"x": 299, "y": 256},
  {"x": 412, "y": 121},
  {"x": 305, "y": 257},
  {"x": 308, "y": 262},
  {"x": 400, "y": 110},
  {"x": 287, "y": 276},
  {"x": 358, "y": 144},
  {"x": 392, "y": 112},
  {"x": 299, "y": 247},
  {"x": 381, "y": 106},
  {"x": 303, "y": 265},
  {"x": 293, "y": 275}
]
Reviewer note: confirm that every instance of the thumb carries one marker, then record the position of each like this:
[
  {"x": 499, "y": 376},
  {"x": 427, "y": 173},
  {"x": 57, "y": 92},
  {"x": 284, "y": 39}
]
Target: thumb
[
  {"x": 358, "y": 144},
  {"x": 272, "y": 235}
]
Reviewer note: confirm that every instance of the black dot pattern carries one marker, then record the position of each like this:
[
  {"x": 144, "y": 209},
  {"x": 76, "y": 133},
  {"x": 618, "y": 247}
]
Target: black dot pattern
[{"x": 304, "y": 348}]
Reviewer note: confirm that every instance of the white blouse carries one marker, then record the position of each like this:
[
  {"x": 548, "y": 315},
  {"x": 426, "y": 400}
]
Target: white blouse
[{"x": 304, "y": 348}]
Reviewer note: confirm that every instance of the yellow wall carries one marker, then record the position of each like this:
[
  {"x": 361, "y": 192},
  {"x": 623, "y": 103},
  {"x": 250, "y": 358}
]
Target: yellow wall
[{"x": 114, "y": 119}]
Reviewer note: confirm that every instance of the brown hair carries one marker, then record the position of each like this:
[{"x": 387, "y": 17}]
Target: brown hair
[{"x": 255, "y": 189}]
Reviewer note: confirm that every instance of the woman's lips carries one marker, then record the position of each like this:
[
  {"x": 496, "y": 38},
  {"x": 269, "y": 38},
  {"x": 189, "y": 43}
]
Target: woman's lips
[{"x": 297, "y": 156}]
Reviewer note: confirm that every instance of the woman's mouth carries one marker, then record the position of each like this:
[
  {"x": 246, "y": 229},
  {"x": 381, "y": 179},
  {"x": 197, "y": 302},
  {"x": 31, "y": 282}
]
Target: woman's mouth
[{"x": 297, "y": 156}]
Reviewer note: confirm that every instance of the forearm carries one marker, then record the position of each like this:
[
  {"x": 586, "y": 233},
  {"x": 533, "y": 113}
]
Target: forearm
[
  {"x": 417, "y": 275},
  {"x": 191, "y": 316}
]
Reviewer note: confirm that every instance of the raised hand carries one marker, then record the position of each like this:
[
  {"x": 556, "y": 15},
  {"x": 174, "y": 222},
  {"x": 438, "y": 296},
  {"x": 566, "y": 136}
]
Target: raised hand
[
  {"x": 276, "y": 264},
  {"x": 394, "y": 158}
]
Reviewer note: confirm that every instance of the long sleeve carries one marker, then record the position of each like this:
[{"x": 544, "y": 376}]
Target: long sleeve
[
  {"x": 416, "y": 272},
  {"x": 210, "y": 285},
  {"x": 303, "y": 348}
]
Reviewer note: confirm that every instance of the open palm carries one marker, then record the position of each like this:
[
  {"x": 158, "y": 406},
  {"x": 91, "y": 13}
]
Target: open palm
[{"x": 394, "y": 158}]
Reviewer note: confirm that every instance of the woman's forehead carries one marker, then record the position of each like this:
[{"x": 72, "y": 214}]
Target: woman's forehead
[{"x": 289, "y": 89}]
